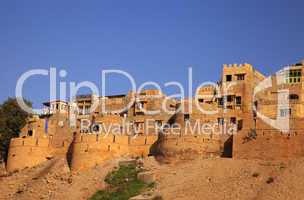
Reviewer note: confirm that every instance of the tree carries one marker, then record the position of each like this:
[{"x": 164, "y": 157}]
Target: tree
[{"x": 12, "y": 119}]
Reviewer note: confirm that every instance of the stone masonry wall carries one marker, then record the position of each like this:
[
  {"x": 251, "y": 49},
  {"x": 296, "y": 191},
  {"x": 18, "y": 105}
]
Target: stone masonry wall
[
  {"x": 91, "y": 150},
  {"x": 28, "y": 152}
]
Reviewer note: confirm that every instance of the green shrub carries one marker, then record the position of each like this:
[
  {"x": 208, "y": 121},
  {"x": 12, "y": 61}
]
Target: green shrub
[{"x": 123, "y": 184}]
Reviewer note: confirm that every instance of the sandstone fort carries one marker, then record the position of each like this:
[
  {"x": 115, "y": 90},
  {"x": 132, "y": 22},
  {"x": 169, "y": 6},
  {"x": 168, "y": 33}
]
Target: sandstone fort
[{"x": 257, "y": 117}]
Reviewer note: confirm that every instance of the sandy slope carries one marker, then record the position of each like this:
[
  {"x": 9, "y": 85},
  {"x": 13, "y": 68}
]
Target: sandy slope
[
  {"x": 206, "y": 179},
  {"x": 53, "y": 180},
  {"x": 229, "y": 179}
]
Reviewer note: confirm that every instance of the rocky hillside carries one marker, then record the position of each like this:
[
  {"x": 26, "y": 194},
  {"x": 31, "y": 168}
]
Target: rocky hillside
[{"x": 198, "y": 178}]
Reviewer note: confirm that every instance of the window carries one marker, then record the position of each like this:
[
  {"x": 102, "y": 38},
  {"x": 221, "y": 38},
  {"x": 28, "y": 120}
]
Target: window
[
  {"x": 290, "y": 80},
  {"x": 299, "y": 73},
  {"x": 293, "y": 76},
  {"x": 296, "y": 72},
  {"x": 293, "y": 97},
  {"x": 57, "y": 106},
  {"x": 96, "y": 128},
  {"x": 285, "y": 112},
  {"x": 30, "y": 133},
  {"x": 228, "y": 78},
  {"x": 186, "y": 117},
  {"x": 220, "y": 102},
  {"x": 229, "y": 98},
  {"x": 159, "y": 123},
  {"x": 80, "y": 109},
  {"x": 140, "y": 105},
  {"x": 201, "y": 100},
  {"x": 233, "y": 120},
  {"x": 220, "y": 121},
  {"x": 240, "y": 125},
  {"x": 238, "y": 100},
  {"x": 87, "y": 110},
  {"x": 229, "y": 107},
  {"x": 240, "y": 77}
]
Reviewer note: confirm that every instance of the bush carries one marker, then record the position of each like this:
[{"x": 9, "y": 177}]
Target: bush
[
  {"x": 123, "y": 184},
  {"x": 12, "y": 119}
]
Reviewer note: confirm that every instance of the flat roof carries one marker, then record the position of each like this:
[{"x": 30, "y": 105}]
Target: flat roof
[
  {"x": 49, "y": 102},
  {"x": 116, "y": 96}
]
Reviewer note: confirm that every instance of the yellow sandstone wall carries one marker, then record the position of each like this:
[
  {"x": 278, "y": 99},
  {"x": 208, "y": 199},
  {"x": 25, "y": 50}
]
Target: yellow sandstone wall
[
  {"x": 27, "y": 152},
  {"x": 201, "y": 145},
  {"x": 269, "y": 143},
  {"x": 91, "y": 150}
]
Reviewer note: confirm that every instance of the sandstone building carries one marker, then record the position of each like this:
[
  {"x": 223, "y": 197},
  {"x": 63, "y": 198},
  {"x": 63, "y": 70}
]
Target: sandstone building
[{"x": 240, "y": 116}]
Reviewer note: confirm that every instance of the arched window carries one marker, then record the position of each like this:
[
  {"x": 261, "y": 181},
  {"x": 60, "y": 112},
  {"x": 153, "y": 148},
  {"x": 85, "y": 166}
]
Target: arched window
[{"x": 293, "y": 97}]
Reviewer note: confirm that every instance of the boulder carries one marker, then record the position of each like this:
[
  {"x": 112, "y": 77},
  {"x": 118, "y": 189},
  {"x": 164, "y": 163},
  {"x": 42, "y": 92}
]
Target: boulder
[
  {"x": 147, "y": 177},
  {"x": 148, "y": 196},
  {"x": 127, "y": 162}
]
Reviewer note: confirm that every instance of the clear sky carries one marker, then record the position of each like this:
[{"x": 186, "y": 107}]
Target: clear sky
[{"x": 150, "y": 39}]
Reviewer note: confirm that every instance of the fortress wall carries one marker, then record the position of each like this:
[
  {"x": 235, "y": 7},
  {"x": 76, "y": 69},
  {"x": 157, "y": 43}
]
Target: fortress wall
[
  {"x": 270, "y": 146},
  {"x": 201, "y": 145},
  {"x": 151, "y": 139},
  {"x": 36, "y": 125},
  {"x": 85, "y": 156},
  {"x": 27, "y": 152},
  {"x": 139, "y": 151},
  {"x": 109, "y": 119},
  {"x": 122, "y": 140},
  {"x": 62, "y": 149},
  {"x": 140, "y": 146},
  {"x": 43, "y": 142},
  {"x": 269, "y": 143},
  {"x": 139, "y": 140},
  {"x": 92, "y": 150}
]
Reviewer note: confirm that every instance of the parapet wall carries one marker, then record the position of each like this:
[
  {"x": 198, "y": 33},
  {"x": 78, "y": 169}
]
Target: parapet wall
[
  {"x": 204, "y": 145},
  {"x": 91, "y": 150},
  {"x": 269, "y": 144},
  {"x": 27, "y": 152}
]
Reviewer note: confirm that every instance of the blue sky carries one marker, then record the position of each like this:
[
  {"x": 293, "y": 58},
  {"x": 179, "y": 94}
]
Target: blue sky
[{"x": 152, "y": 40}]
